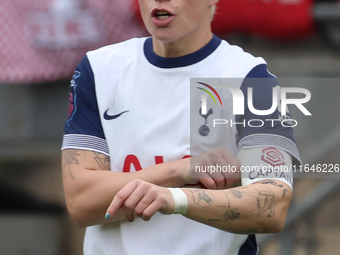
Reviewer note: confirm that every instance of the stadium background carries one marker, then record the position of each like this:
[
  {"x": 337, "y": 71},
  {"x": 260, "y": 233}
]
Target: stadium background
[{"x": 42, "y": 41}]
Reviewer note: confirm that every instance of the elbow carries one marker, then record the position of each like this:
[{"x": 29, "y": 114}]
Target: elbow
[
  {"x": 273, "y": 226},
  {"x": 78, "y": 219},
  {"x": 279, "y": 220},
  {"x": 76, "y": 213},
  {"x": 277, "y": 224},
  {"x": 276, "y": 227},
  {"x": 80, "y": 209}
]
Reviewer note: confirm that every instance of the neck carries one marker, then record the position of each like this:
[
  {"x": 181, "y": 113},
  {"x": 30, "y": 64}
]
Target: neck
[{"x": 182, "y": 46}]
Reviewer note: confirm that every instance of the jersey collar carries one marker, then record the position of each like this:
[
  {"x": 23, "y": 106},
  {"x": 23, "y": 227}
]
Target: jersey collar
[{"x": 186, "y": 60}]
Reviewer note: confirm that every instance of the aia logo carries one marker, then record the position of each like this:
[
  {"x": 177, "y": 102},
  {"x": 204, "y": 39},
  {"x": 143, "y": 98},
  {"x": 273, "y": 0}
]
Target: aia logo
[
  {"x": 133, "y": 160},
  {"x": 273, "y": 157}
]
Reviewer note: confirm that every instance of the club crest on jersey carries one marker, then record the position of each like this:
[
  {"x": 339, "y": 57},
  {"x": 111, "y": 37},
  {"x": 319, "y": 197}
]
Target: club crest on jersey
[
  {"x": 73, "y": 84},
  {"x": 76, "y": 75},
  {"x": 204, "y": 129}
]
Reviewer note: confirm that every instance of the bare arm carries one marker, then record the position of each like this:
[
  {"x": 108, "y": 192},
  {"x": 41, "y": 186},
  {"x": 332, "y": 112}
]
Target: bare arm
[
  {"x": 257, "y": 208},
  {"x": 89, "y": 186}
]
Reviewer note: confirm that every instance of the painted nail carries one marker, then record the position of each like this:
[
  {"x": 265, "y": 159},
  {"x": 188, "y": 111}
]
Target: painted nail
[{"x": 107, "y": 216}]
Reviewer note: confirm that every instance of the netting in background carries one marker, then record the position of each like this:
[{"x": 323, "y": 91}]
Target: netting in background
[{"x": 43, "y": 40}]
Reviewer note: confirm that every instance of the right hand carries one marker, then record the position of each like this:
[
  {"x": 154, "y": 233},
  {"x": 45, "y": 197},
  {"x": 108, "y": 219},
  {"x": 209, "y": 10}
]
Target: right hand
[
  {"x": 191, "y": 169},
  {"x": 142, "y": 199}
]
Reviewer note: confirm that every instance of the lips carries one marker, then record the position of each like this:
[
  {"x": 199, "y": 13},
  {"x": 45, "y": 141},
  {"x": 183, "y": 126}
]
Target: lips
[
  {"x": 161, "y": 17},
  {"x": 161, "y": 13}
]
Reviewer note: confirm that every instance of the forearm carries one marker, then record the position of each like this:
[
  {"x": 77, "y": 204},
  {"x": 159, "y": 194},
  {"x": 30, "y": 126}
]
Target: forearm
[
  {"x": 89, "y": 191},
  {"x": 256, "y": 208}
]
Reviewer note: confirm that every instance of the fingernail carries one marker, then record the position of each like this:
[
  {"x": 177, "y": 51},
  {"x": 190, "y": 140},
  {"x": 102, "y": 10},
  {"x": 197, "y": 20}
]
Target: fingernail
[{"x": 107, "y": 216}]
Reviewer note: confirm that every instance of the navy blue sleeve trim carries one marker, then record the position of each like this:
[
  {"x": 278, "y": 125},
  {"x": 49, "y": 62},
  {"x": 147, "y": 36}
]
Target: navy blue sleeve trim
[{"x": 84, "y": 115}]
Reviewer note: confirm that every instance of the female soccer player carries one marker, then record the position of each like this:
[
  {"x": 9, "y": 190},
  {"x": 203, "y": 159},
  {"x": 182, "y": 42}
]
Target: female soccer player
[{"x": 128, "y": 137}]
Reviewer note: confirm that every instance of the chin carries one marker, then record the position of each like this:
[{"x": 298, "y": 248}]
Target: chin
[
  {"x": 164, "y": 35},
  {"x": 165, "y": 39}
]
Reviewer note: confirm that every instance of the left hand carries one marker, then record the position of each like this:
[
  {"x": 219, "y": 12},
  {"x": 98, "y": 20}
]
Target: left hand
[
  {"x": 142, "y": 199},
  {"x": 216, "y": 179}
]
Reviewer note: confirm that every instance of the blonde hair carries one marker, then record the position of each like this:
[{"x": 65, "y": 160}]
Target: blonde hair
[{"x": 213, "y": 11}]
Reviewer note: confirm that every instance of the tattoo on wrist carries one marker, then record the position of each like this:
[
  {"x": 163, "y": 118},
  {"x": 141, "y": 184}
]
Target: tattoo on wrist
[{"x": 202, "y": 198}]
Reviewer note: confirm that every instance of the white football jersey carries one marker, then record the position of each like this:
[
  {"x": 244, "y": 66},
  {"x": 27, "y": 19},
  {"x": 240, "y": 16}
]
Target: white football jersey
[{"x": 136, "y": 107}]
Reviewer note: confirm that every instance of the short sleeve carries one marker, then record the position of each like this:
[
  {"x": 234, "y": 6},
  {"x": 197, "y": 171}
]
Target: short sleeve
[
  {"x": 272, "y": 130},
  {"x": 83, "y": 128}
]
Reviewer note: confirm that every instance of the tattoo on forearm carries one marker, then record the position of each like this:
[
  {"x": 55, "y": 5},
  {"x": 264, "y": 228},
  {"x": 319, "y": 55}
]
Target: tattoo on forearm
[
  {"x": 236, "y": 193},
  {"x": 205, "y": 198},
  {"x": 71, "y": 159},
  {"x": 268, "y": 204},
  {"x": 193, "y": 197},
  {"x": 102, "y": 160},
  {"x": 261, "y": 204},
  {"x": 232, "y": 213},
  {"x": 265, "y": 204},
  {"x": 284, "y": 191},
  {"x": 272, "y": 183},
  {"x": 225, "y": 193},
  {"x": 258, "y": 203},
  {"x": 202, "y": 198},
  {"x": 264, "y": 201}
]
